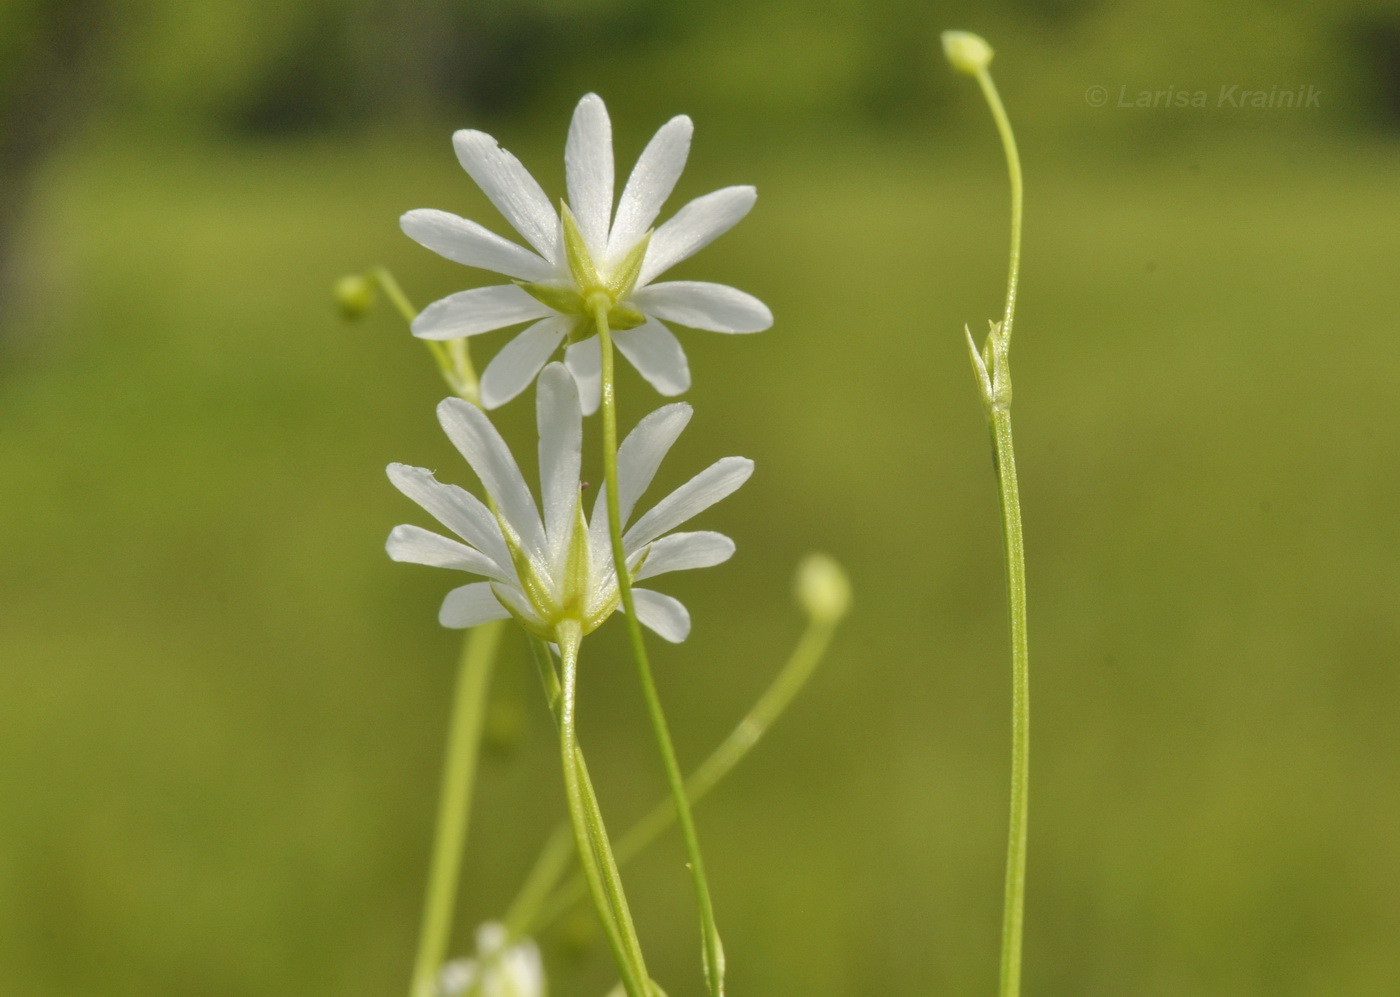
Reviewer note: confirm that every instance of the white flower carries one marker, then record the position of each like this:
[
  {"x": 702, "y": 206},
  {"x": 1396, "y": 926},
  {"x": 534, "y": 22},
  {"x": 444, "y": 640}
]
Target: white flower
[
  {"x": 586, "y": 251},
  {"x": 544, "y": 571},
  {"x": 497, "y": 970}
]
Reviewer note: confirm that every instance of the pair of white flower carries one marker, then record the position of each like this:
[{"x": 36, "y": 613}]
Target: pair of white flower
[
  {"x": 584, "y": 250},
  {"x": 544, "y": 570}
]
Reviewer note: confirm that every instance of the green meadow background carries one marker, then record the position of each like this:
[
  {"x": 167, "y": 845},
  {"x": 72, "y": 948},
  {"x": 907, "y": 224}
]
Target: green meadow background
[{"x": 222, "y": 708}]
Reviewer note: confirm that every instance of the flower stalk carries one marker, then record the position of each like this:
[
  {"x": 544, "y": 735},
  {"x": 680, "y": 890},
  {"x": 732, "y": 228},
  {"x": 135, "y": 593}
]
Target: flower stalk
[
  {"x": 970, "y": 54},
  {"x": 590, "y": 835},
  {"x": 600, "y": 304},
  {"x": 454, "y": 804}
]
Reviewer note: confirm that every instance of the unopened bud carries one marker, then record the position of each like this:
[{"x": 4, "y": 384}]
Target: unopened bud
[
  {"x": 823, "y": 590},
  {"x": 967, "y": 52},
  {"x": 354, "y": 295}
]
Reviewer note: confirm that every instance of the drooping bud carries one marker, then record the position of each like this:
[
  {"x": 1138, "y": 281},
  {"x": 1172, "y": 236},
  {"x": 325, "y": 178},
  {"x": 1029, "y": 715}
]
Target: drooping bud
[
  {"x": 823, "y": 590},
  {"x": 354, "y": 295},
  {"x": 967, "y": 52}
]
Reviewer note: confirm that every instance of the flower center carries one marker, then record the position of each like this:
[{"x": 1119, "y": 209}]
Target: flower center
[{"x": 577, "y": 296}]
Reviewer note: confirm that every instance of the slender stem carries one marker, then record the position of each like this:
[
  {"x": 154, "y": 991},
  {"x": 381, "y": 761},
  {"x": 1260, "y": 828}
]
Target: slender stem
[
  {"x": 775, "y": 699},
  {"x": 454, "y": 807},
  {"x": 590, "y": 837},
  {"x": 709, "y": 934},
  {"x": 1013, "y": 171},
  {"x": 1013, "y": 915},
  {"x": 453, "y": 359},
  {"x": 1004, "y": 456}
]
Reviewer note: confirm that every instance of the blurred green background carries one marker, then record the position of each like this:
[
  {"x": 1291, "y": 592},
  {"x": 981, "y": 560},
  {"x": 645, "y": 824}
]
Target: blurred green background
[{"x": 222, "y": 708}]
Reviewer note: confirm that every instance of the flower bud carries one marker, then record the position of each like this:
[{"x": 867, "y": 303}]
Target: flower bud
[
  {"x": 967, "y": 52},
  {"x": 823, "y": 590},
  {"x": 354, "y": 295}
]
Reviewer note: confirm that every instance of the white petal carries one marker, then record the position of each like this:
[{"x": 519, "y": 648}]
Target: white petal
[
  {"x": 652, "y": 180},
  {"x": 464, "y": 241},
  {"x": 702, "y": 305},
  {"x": 694, "y": 227},
  {"x": 561, "y": 441},
  {"x": 472, "y": 433},
  {"x": 699, "y": 493},
  {"x": 511, "y": 189},
  {"x": 656, "y": 353},
  {"x": 585, "y": 362},
  {"x": 515, "y": 366},
  {"x": 415, "y": 545},
  {"x": 637, "y": 460},
  {"x": 588, "y": 167},
  {"x": 481, "y": 309},
  {"x": 642, "y": 451},
  {"x": 459, "y": 510},
  {"x": 472, "y": 604},
  {"x": 663, "y": 614},
  {"x": 684, "y": 551}
]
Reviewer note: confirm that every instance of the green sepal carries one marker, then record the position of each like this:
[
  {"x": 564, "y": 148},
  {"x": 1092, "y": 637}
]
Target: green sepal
[
  {"x": 621, "y": 317},
  {"x": 624, "y": 276},
  {"x": 581, "y": 264},
  {"x": 563, "y": 299}
]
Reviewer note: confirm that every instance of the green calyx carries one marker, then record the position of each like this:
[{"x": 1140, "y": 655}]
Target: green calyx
[
  {"x": 574, "y": 297},
  {"x": 569, "y": 600}
]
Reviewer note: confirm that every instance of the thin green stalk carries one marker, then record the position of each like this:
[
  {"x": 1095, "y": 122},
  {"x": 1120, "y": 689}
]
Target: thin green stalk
[
  {"x": 590, "y": 836},
  {"x": 1013, "y": 171},
  {"x": 452, "y": 357},
  {"x": 454, "y": 807},
  {"x": 599, "y": 304},
  {"x": 1013, "y": 916},
  {"x": 997, "y": 392},
  {"x": 770, "y": 705}
]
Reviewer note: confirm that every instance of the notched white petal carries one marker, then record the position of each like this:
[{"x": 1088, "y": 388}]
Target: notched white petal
[
  {"x": 588, "y": 168},
  {"x": 694, "y": 227},
  {"x": 482, "y": 309},
  {"x": 657, "y": 354},
  {"x": 515, "y": 366},
  {"x": 585, "y": 362},
  {"x": 479, "y": 442},
  {"x": 663, "y": 614},
  {"x": 511, "y": 188},
  {"x": 652, "y": 180},
  {"x": 457, "y": 509},
  {"x": 560, "y": 425},
  {"x": 464, "y": 241},
  {"x": 711, "y": 485},
  {"x": 469, "y": 605},
  {"x": 415, "y": 545},
  {"x": 685, "y": 552},
  {"x": 703, "y": 305}
]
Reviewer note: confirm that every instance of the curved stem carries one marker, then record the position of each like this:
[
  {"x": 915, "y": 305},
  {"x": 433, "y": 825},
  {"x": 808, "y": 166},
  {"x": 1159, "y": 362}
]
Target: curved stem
[
  {"x": 1013, "y": 171},
  {"x": 534, "y": 914},
  {"x": 454, "y": 806},
  {"x": 709, "y": 935},
  {"x": 590, "y": 836},
  {"x": 1004, "y": 456},
  {"x": 452, "y": 357}
]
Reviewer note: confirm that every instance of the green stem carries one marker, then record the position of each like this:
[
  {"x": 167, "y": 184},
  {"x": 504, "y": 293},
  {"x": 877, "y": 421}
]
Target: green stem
[
  {"x": 1004, "y": 455},
  {"x": 599, "y": 304},
  {"x": 590, "y": 836},
  {"x": 454, "y": 807},
  {"x": 453, "y": 359},
  {"x": 775, "y": 699},
  {"x": 1013, "y": 915},
  {"x": 1013, "y": 171}
]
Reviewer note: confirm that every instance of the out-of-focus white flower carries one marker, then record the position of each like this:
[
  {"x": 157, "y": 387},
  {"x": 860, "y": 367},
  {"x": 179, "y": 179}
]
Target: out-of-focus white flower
[
  {"x": 586, "y": 252},
  {"x": 498, "y": 969},
  {"x": 543, "y": 571}
]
